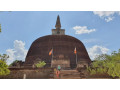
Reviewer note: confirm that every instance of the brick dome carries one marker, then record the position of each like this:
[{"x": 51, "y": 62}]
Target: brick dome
[{"x": 63, "y": 46}]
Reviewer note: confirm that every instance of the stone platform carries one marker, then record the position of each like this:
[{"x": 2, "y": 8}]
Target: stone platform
[{"x": 70, "y": 74}]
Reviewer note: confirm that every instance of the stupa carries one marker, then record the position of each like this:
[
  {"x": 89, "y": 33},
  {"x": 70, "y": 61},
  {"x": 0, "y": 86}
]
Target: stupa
[{"x": 58, "y": 49}]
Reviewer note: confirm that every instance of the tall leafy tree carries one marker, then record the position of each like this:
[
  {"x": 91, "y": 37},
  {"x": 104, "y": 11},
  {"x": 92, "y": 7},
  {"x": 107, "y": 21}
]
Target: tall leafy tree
[
  {"x": 106, "y": 64},
  {"x": 4, "y": 68},
  {"x": 3, "y": 65},
  {"x": 4, "y": 57}
]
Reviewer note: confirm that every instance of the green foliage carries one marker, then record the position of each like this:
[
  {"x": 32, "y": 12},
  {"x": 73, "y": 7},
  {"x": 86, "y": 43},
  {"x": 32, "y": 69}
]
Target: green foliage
[
  {"x": 40, "y": 64},
  {"x": 4, "y": 68},
  {"x": 12, "y": 64},
  {"x": 4, "y": 57},
  {"x": 109, "y": 64}
]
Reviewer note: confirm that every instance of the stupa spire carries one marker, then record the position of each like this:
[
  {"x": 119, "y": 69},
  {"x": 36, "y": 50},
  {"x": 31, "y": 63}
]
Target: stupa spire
[
  {"x": 58, "y": 30},
  {"x": 58, "y": 24}
]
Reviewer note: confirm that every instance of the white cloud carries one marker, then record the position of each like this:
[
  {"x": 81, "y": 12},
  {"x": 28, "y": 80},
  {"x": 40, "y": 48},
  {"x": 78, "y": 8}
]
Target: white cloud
[
  {"x": 109, "y": 19},
  {"x": 18, "y": 52},
  {"x": 103, "y": 13},
  {"x": 83, "y": 30},
  {"x": 106, "y": 15},
  {"x": 97, "y": 50}
]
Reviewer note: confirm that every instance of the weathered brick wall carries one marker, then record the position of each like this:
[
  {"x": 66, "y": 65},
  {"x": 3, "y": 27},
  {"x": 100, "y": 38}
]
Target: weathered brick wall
[
  {"x": 62, "y": 63},
  {"x": 82, "y": 63},
  {"x": 40, "y": 73}
]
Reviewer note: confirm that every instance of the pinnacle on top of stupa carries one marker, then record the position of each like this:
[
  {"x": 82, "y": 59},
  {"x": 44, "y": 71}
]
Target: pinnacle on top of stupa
[{"x": 58, "y": 24}]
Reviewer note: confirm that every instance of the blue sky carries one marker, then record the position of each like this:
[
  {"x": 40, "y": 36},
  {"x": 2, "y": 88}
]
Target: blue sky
[{"x": 99, "y": 31}]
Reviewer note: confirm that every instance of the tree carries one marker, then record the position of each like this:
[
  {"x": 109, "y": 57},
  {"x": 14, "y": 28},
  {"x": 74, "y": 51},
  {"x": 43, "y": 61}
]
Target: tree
[
  {"x": 40, "y": 64},
  {"x": 4, "y": 68},
  {"x": 4, "y": 57},
  {"x": 106, "y": 64},
  {"x": 13, "y": 63},
  {"x": 16, "y": 63}
]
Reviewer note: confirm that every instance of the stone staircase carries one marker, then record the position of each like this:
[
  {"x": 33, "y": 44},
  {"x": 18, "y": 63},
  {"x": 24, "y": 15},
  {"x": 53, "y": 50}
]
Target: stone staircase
[{"x": 70, "y": 74}]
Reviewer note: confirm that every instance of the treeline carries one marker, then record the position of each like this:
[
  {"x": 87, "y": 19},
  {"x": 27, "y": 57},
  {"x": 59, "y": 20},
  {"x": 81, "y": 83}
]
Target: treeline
[
  {"x": 106, "y": 64},
  {"x": 3, "y": 65}
]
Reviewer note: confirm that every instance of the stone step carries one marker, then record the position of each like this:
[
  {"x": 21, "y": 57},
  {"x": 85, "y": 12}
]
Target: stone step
[{"x": 70, "y": 74}]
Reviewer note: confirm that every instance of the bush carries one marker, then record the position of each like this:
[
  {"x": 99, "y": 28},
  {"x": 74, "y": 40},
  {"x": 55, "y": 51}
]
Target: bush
[{"x": 40, "y": 64}]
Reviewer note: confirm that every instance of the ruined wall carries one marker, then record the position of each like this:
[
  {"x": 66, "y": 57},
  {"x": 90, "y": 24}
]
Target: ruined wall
[{"x": 20, "y": 73}]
